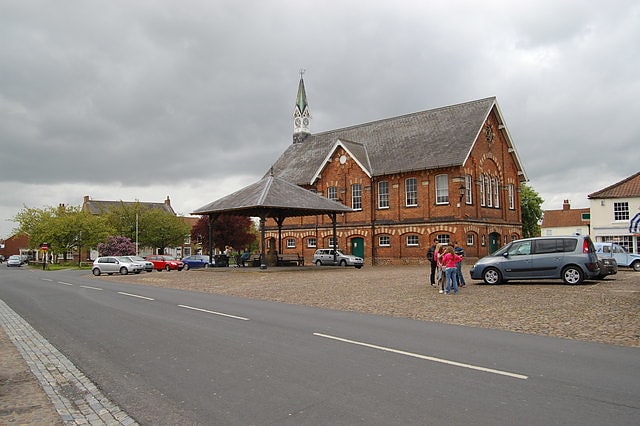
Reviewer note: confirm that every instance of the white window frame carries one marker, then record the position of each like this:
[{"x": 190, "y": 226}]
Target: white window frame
[
  {"x": 383, "y": 195},
  {"x": 442, "y": 189},
  {"x": 291, "y": 243},
  {"x": 332, "y": 243},
  {"x": 471, "y": 239},
  {"x": 312, "y": 242},
  {"x": 356, "y": 196},
  {"x": 384, "y": 241},
  {"x": 512, "y": 200},
  {"x": 468, "y": 185},
  {"x": 483, "y": 192},
  {"x": 496, "y": 189},
  {"x": 620, "y": 211},
  {"x": 413, "y": 244},
  {"x": 411, "y": 192},
  {"x": 332, "y": 193}
]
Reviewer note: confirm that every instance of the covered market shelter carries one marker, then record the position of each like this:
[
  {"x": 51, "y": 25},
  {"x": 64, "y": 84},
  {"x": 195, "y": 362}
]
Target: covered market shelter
[{"x": 271, "y": 197}]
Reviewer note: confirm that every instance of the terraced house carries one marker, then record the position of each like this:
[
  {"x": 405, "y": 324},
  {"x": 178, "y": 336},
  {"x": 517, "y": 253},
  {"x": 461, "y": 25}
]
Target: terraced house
[{"x": 450, "y": 174}]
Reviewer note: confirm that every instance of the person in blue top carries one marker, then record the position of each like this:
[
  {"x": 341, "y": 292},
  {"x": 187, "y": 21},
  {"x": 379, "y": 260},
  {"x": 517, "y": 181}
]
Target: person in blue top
[{"x": 460, "y": 252}]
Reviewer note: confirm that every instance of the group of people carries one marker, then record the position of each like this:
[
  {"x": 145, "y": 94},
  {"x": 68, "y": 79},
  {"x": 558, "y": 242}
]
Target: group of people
[{"x": 446, "y": 267}]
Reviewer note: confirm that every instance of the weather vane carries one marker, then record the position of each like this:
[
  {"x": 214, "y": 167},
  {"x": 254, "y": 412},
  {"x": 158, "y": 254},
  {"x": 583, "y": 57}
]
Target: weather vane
[{"x": 302, "y": 71}]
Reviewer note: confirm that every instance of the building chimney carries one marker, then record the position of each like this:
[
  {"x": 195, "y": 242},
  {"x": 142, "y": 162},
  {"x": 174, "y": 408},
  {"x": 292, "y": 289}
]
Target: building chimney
[
  {"x": 86, "y": 198},
  {"x": 167, "y": 201},
  {"x": 566, "y": 205}
]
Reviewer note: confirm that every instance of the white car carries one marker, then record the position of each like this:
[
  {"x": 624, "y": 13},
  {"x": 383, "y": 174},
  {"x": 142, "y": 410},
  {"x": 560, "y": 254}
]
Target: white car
[
  {"x": 619, "y": 253},
  {"x": 14, "y": 260},
  {"x": 115, "y": 264},
  {"x": 326, "y": 257}
]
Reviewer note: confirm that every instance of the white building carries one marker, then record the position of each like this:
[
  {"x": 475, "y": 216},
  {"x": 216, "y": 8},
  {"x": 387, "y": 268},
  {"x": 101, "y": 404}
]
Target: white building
[{"x": 615, "y": 213}]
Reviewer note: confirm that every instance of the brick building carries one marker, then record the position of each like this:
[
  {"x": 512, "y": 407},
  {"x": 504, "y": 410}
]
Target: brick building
[
  {"x": 450, "y": 174},
  {"x": 567, "y": 221}
]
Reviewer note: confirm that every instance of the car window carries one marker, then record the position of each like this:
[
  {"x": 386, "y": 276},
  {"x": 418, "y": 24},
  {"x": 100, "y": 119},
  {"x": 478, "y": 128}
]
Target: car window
[
  {"x": 520, "y": 248},
  {"x": 547, "y": 246},
  {"x": 618, "y": 249}
]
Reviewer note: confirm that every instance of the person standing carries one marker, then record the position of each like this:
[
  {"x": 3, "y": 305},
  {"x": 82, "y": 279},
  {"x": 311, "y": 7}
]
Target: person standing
[
  {"x": 432, "y": 261},
  {"x": 460, "y": 252},
  {"x": 449, "y": 261},
  {"x": 439, "y": 251}
]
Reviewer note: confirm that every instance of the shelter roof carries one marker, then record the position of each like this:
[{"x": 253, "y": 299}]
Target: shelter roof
[{"x": 273, "y": 197}]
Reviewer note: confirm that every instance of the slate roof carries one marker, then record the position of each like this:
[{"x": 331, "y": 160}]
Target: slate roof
[
  {"x": 626, "y": 188},
  {"x": 99, "y": 207},
  {"x": 424, "y": 140},
  {"x": 273, "y": 197}
]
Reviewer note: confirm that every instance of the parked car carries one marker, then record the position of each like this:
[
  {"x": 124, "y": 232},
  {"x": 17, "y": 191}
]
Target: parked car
[
  {"x": 326, "y": 257},
  {"x": 148, "y": 266},
  {"x": 115, "y": 264},
  {"x": 571, "y": 258},
  {"x": 168, "y": 263},
  {"x": 620, "y": 254},
  {"x": 196, "y": 261},
  {"x": 14, "y": 260},
  {"x": 608, "y": 266}
]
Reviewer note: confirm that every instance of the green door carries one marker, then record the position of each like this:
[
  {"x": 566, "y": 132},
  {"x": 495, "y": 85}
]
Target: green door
[
  {"x": 357, "y": 247},
  {"x": 494, "y": 242}
]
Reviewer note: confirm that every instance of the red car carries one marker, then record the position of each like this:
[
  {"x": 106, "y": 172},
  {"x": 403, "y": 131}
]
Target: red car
[{"x": 167, "y": 263}]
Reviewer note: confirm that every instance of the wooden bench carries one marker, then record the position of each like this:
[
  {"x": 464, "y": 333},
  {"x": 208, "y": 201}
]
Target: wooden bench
[{"x": 290, "y": 260}]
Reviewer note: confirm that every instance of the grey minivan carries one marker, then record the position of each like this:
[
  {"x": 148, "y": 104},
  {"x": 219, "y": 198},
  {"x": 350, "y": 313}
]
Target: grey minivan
[{"x": 570, "y": 258}]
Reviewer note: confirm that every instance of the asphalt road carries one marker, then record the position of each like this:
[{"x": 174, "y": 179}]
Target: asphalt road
[{"x": 167, "y": 356}]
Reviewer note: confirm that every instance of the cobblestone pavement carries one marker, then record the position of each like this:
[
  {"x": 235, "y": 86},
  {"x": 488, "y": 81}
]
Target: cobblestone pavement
[{"x": 606, "y": 311}]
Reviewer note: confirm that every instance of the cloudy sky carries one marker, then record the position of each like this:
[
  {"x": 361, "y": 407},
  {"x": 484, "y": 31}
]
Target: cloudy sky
[{"x": 126, "y": 100}]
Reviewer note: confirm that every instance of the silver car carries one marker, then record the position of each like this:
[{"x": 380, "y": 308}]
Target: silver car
[
  {"x": 326, "y": 257},
  {"x": 116, "y": 264},
  {"x": 571, "y": 258},
  {"x": 14, "y": 260},
  {"x": 148, "y": 266}
]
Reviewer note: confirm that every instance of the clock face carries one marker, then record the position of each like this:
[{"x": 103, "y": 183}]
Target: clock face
[
  {"x": 305, "y": 121},
  {"x": 343, "y": 159},
  {"x": 297, "y": 121}
]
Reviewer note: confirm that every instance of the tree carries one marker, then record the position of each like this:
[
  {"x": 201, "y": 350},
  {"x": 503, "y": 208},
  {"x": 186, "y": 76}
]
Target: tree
[
  {"x": 531, "y": 211},
  {"x": 117, "y": 246},
  {"x": 161, "y": 229},
  {"x": 235, "y": 231},
  {"x": 64, "y": 228}
]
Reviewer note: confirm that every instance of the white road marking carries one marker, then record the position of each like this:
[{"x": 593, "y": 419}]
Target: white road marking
[
  {"x": 46, "y": 279},
  {"x": 135, "y": 295},
  {"x": 213, "y": 312},
  {"x": 62, "y": 282},
  {"x": 428, "y": 358},
  {"x": 91, "y": 288}
]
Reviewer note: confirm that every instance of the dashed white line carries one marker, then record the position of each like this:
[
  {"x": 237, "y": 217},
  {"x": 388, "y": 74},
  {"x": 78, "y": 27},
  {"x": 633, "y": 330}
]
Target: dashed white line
[
  {"x": 46, "y": 279},
  {"x": 213, "y": 312},
  {"x": 135, "y": 295},
  {"x": 62, "y": 282},
  {"x": 425, "y": 357},
  {"x": 91, "y": 288}
]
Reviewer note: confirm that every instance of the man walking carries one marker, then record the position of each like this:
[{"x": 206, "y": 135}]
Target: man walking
[{"x": 431, "y": 258}]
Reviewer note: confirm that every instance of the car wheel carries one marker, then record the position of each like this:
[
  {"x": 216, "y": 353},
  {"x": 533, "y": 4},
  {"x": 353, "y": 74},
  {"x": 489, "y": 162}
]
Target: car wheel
[
  {"x": 358, "y": 266},
  {"x": 124, "y": 271},
  {"x": 343, "y": 262},
  {"x": 636, "y": 266},
  {"x": 95, "y": 271},
  {"x": 318, "y": 263},
  {"x": 205, "y": 266},
  {"x": 572, "y": 275},
  {"x": 167, "y": 268},
  {"x": 492, "y": 276},
  {"x": 186, "y": 266},
  {"x": 137, "y": 272}
]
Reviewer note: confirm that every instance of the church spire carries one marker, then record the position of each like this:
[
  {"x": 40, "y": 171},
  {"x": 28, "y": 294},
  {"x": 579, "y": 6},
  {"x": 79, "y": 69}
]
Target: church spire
[{"x": 301, "y": 114}]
